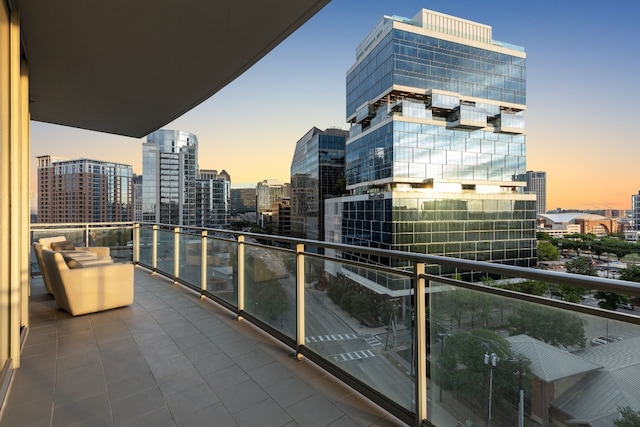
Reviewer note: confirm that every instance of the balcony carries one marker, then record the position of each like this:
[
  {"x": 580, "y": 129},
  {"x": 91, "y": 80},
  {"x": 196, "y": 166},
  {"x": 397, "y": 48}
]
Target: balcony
[{"x": 246, "y": 332}]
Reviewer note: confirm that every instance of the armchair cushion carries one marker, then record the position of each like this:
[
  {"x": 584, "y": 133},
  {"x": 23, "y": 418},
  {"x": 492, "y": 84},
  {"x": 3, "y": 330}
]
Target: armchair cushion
[
  {"x": 63, "y": 246},
  {"x": 47, "y": 243},
  {"x": 89, "y": 289}
]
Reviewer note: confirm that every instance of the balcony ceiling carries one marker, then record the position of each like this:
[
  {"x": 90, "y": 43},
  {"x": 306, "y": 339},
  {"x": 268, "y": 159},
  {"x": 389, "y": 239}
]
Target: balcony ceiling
[{"x": 129, "y": 67}]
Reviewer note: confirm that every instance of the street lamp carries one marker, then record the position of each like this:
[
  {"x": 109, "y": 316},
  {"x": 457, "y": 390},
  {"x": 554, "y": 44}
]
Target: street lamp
[{"x": 491, "y": 360}]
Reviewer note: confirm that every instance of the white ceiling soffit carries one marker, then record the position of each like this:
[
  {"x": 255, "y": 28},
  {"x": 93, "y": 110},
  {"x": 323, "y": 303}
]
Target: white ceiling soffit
[{"x": 129, "y": 67}]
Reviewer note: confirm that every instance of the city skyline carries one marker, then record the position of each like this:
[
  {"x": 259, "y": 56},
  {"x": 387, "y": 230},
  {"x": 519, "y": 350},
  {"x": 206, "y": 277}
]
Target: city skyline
[{"x": 577, "y": 60}]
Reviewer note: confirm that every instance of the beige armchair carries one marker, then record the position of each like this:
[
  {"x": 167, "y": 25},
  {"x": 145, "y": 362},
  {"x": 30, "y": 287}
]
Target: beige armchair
[
  {"x": 65, "y": 245},
  {"x": 89, "y": 289}
]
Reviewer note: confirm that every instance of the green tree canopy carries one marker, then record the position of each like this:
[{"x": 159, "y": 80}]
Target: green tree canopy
[
  {"x": 547, "y": 252},
  {"x": 581, "y": 265},
  {"x": 628, "y": 418},
  {"x": 631, "y": 273},
  {"x": 551, "y": 325},
  {"x": 609, "y": 300},
  {"x": 463, "y": 367}
]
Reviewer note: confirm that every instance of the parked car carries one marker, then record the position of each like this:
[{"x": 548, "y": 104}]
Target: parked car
[
  {"x": 626, "y": 306},
  {"x": 598, "y": 341}
]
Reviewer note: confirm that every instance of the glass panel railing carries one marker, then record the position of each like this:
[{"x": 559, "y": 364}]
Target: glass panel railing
[
  {"x": 222, "y": 272},
  {"x": 165, "y": 252},
  {"x": 361, "y": 327},
  {"x": 118, "y": 239},
  {"x": 503, "y": 360},
  {"x": 502, "y": 342},
  {"x": 190, "y": 248},
  {"x": 270, "y": 288},
  {"x": 145, "y": 244}
]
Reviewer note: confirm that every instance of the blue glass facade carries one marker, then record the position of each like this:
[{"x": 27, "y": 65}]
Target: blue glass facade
[
  {"x": 424, "y": 62},
  {"x": 317, "y": 165},
  {"x": 437, "y": 136},
  {"x": 169, "y": 169}
]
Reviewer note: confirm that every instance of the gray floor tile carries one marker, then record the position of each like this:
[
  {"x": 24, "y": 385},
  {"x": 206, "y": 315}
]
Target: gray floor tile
[
  {"x": 290, "y": 391},
  {"x": 137, "y": 405},
  {"x": 81, "y": 411},
  {"x": 240, "y": 396},
  {"x": 169, "y": 360},
  {"x": 271, "y": 415},
  {"x": 191, "y": 400},
  {"x": 224, "y": 378},
  {"x": 314, "y": 411}
]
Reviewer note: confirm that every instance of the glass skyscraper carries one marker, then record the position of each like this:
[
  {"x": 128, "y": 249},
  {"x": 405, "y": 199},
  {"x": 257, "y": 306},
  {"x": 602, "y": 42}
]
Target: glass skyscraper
[
  {"x": 536, "y": 183},
  {"x": 213, "y": 199},
  {"x": 169, "y": 170},
  {"x": 316, "y": 168},
  {"x": 437, "y": 134}
]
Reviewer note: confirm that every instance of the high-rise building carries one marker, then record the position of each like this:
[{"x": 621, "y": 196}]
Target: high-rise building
[
  {"x": 267, "y": 192},
  {"x": 84, "y": 190},
  {"x": 169, "y": 170},
  {"x": 213, "y": 199},
  {"x": 281, "y": 218},
  {"x": 536, "y": 183},
  {"x": 437, "y": 113},
  {"x": 137, "y": 198},
  {"x": 316, "y": 168},
  {"x": 635, "y": 211},
  {"x": 243, "y": 200}
]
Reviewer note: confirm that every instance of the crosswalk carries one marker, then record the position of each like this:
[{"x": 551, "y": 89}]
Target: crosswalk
[
  {"x": 353, "y": 355},
  {"x": 372, "y": 340},
  {"x": 335, "y": 337}
]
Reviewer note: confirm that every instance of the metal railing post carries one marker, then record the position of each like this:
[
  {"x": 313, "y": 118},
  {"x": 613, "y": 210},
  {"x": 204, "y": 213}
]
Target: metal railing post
[
  {"x": 86, "y": 235},
  {"x": 203, "y": 265},
  {"x": 136, "y": 243},
  {"x": 240, "y": 276},
  {"x": 176, "y": 253},
  {"x": 154, "y": 248},
  {"x": 300, "y": 330},
  {"x": 421, "y": 337}
]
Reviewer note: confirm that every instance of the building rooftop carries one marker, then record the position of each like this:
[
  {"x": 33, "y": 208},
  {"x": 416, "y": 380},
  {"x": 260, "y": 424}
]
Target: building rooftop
[{"x": 170, "y": 359}]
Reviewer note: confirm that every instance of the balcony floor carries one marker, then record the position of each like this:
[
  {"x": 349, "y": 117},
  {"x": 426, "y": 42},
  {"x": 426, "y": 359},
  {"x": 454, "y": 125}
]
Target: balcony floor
[{"x": 170, "y": 359}]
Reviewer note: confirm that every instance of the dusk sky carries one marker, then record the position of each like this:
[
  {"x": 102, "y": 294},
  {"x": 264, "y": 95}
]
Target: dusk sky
[{"x": 583, "y": 96}]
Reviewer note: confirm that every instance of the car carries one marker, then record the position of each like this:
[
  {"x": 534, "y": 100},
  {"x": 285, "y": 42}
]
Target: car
[
  {"x": 626, "y": 306},
  {"x": 598, "y": 341}
]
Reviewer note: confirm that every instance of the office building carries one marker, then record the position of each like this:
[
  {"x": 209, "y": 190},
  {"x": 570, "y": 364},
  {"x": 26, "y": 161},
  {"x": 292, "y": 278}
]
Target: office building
[
  {"x": 267, "y": 192},
  {"x": 436, "y": 108},
  {"x": 84, "y": 190},
  {"x": 137, "y": 198},
  {"x": 169, "y": 171},
  {"x": 281, "y": 218},
  {"x": 536, "y": 183},
  {"x": 243, "y": 200},
  {"x": 316, "y": 169},
  {"x": 213, "y": 199},
  {"x": 635, "y": 211}
]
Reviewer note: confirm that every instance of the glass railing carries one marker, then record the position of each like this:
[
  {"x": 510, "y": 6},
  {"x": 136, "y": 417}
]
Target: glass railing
[{"x": 486, "y": 344}]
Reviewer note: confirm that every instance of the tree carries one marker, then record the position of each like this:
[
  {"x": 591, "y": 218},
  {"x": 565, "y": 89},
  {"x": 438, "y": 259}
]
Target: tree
[
  {"x": 631, "y": 273},
  {"x": 628, "y": 417},
  {"x": 547, "y": 252},
  {"x": 551, "y": 325},
  {"x": 541, "y": 235},
  {"x": 609, "y": 300},
  {"x": 463, "y": 369},
  {"x": 581, "y": 265},
  {"x": 532, "y": 287}
]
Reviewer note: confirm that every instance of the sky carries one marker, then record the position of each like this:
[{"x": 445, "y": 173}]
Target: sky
[{"x": 583, "y": 96}]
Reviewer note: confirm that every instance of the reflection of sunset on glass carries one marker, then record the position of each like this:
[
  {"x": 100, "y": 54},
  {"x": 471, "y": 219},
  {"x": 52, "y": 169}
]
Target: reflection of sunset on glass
[{"x": 581, "y": 93}]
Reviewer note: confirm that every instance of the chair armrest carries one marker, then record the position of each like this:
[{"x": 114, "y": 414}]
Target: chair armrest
[{"x": 98, "y": 250}]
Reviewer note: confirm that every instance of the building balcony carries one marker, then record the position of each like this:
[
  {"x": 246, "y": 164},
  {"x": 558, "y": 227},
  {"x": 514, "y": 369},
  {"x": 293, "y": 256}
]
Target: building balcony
[{"x": 274, "y": 333}]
